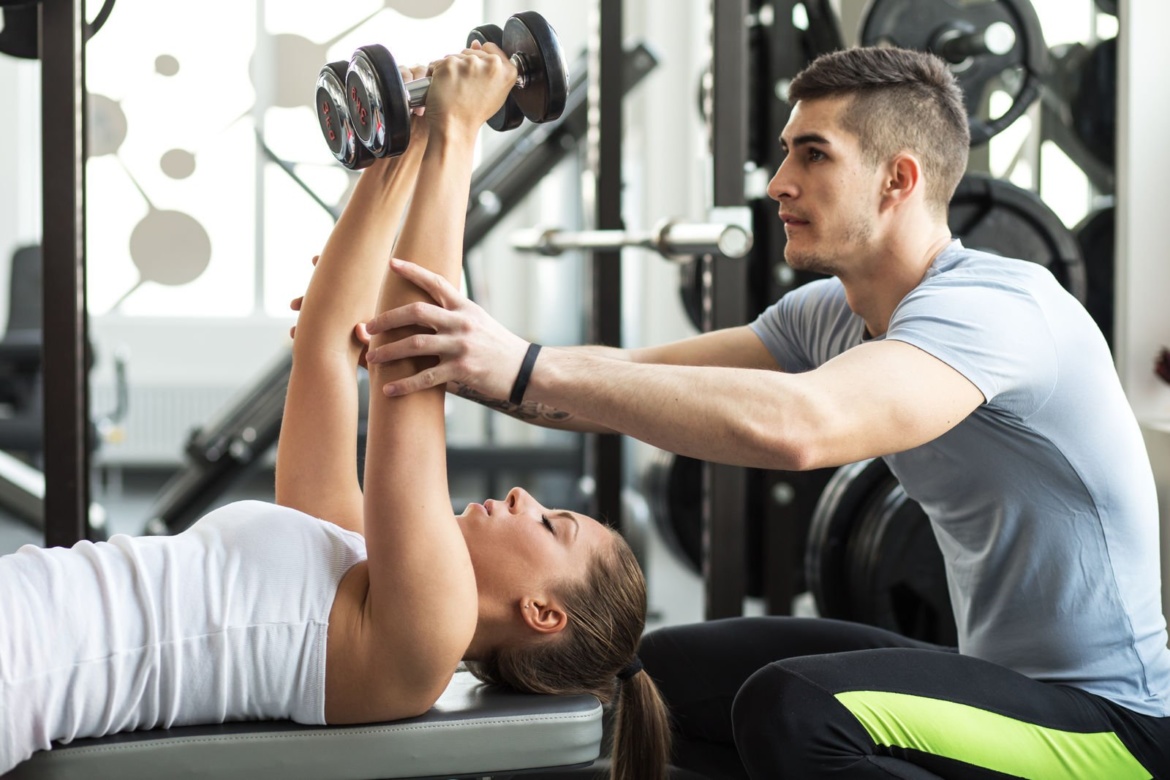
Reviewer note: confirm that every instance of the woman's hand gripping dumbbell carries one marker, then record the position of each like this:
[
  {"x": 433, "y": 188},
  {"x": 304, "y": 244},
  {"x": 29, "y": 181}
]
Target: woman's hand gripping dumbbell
[{"x": 364, "y": 108}]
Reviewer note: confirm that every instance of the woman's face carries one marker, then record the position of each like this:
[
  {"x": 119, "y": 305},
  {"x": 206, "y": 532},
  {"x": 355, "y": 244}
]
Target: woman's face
[{"x": 520, "y": 547}]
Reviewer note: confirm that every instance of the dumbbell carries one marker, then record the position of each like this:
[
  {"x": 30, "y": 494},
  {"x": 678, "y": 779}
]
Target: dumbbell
[
  {"x": 335, "y": 121},
  {"x": 375, "y": 109},
  {"x": 509, "y": 116}
]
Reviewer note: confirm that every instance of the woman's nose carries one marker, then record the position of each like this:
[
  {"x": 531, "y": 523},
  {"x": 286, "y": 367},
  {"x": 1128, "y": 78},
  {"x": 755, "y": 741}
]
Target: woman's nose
[{"x": 516, "y": 499}]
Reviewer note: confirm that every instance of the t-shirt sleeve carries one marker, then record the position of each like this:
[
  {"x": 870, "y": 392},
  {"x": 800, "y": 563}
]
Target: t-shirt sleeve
[
  {"x": 995, "y": 335},
  {"x": 806, "y": 327}
]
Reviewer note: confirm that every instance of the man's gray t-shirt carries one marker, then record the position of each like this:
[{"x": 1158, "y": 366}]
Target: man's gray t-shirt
[{"x": 1043, "y": 499}]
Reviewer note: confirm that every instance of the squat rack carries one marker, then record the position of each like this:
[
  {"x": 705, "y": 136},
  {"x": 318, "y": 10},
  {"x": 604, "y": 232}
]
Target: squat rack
[{"x": 66, "y": 384}]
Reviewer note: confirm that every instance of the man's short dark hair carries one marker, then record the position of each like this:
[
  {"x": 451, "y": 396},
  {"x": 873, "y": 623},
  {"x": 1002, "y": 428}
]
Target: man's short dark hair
[{"x": 902, "y": 100}]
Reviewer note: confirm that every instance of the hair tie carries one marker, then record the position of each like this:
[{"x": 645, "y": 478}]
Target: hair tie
[
  {"x": 521, "y": 383},
  {"x": 632, "y": 668}
]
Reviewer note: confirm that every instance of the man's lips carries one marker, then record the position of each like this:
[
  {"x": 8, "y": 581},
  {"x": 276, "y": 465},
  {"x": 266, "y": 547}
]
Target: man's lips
[{"x": 792, "y": 220}]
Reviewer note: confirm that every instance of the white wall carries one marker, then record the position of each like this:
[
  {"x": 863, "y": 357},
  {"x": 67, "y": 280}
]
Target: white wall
[{"x": 1143, "y": 176}]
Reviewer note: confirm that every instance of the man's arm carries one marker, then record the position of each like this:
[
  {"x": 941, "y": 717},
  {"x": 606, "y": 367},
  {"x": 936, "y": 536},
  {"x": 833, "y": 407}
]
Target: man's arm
[{"x": 872, "y": 400}]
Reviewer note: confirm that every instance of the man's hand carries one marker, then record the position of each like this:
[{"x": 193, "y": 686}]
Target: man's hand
[
  {"x": 359, "y": 330},
  {"x": 472, "y": 348}
]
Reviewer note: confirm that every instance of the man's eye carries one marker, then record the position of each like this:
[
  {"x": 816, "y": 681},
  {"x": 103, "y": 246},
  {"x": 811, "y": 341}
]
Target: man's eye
[
  {"x": 544, "y": 519},
  {"x": 815, "y": 154}
]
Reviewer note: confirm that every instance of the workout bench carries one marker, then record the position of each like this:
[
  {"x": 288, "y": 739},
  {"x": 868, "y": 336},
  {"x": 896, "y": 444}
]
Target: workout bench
[{"x": 473, "y": 731}]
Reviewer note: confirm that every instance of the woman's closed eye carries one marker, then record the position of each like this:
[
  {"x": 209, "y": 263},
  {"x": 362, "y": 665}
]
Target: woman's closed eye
[{"x": 548, "y": 524}]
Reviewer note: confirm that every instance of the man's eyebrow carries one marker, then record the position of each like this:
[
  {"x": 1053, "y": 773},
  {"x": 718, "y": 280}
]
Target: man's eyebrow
[
  {"x": 569, "y": 515},
  {"x": 805, "y": 139}
]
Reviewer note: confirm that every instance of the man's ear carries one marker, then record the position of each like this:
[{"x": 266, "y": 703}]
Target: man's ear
[
  {"x": 545, "y": 616},
  {"x": 903, "y": 179}
]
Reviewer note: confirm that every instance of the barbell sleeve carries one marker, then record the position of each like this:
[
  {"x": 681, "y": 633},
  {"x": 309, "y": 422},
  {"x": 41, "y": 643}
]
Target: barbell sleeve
[{"x": 670, "y": 239}]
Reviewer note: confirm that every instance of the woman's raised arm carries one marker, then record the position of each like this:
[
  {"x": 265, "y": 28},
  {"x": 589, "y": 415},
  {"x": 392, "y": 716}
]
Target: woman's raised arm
[
  {"x": 422, "y": 607},
  {"x": 316, "y": 458}
]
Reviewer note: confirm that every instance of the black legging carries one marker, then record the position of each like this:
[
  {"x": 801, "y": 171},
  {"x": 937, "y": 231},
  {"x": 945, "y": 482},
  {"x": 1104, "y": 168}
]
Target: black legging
[{"x": 814, "y": 698}]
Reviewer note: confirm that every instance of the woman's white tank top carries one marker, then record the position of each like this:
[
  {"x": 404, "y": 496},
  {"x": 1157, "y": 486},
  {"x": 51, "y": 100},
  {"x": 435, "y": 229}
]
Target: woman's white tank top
[{"x": 225, "y": 621}]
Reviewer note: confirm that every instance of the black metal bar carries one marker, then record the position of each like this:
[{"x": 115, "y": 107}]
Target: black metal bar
[
  {"x": 780, "y": 50},
  {"x": 66, "y": 385},
  {"x": 606, "y": 80},
  {"x": 724, "y": 493}
]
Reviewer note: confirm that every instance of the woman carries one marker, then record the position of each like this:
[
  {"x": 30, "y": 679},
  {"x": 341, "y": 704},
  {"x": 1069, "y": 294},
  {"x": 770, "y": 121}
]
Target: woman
[{"x": 262, "y": 611}]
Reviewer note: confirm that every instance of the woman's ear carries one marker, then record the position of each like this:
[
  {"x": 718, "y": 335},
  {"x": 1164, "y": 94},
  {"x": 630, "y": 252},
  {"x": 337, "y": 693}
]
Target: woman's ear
[{"x": 545, "y": 616}]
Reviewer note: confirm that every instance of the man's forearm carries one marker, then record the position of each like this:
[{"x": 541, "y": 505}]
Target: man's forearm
[
  {"x": 704, "y": 412},
  {"x": 541, "y": 414}
]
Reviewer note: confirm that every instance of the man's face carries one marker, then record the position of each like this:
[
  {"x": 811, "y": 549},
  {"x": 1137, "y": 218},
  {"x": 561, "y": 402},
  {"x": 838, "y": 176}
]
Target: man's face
[{"x": 828, "y": 193}]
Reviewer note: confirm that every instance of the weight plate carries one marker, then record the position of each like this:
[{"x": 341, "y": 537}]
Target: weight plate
[
  {"x": 825, "y": 567},
  {"x": 899, "y": 576},
  {"x": 509, "y": 116},
  {"x": 946, "y": 26},
  {"x": 1094, "y": 102},
  {"x": 376, "y": 100},
  {"x": 997, "y": 216},
  {"x": 333, "y": 118},
  {"x": 542, "y": 99},
  {"x": 1095, "y": 235},
  {"x": 674, "y": 486}
]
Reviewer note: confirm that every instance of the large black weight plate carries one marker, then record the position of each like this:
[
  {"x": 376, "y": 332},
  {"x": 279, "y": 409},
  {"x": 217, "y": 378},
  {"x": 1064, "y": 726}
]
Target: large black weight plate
[
  {"x": 543, "y": 97},
  {"x": 926, "y": 24},
  {"x": 997, "y": 216},
  {"x": 1094, "y": 103},
  {"x": 898, "y": 577},
  {"x": 509, "y": 116},
  {"x": 826, "y": 568},
  {"x": 376, "y": 99},
  {"x": 1096, "y": 236},
  {"x": 333, "y": 117}
]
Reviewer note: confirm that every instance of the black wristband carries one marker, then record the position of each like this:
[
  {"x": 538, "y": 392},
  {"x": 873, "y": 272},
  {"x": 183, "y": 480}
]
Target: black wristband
[{"x": 521, "y": 383}]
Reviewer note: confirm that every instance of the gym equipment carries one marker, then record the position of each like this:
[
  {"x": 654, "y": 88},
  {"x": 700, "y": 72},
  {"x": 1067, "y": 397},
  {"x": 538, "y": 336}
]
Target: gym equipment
[
  {"x": 21, "y": 30},
  {"x": 673, "y": 485},
  {"x": 379, "y": 103},
  {"x": 1095, "y": 235},
  {"x": 872, "y": 556},
  {"x": 826, "y": 564},
  {"x": 1078, "y": 107},
  {"x": 472, "y": 731},
  {"x": 990, "y": 45},
  {"x": 997, "y": 216},
  {"x": 1093, "y": 104},
  {"x": 509, "y": 116},
  {"x": 674, "y": 240},
  {"x": 896, "y": 575},
  {"x": 230, "y": 445},
  {"x": 334, "y": 119}
]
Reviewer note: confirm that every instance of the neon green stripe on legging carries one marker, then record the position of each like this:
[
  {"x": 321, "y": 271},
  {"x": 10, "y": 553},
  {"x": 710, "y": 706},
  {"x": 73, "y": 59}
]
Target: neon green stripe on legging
[{"x": 985, "y": 739}]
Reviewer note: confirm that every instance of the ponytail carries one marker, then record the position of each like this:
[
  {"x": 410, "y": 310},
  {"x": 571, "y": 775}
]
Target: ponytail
[
  {"x": 641, "y": 738},
  {"x": 596, "y": 654}
]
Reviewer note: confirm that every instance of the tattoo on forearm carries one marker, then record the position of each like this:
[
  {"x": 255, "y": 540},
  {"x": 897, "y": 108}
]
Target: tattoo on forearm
[{"x": 527, "y": 411}]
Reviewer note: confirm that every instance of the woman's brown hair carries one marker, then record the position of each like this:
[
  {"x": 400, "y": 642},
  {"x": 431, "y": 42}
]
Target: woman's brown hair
[{"x": 607, "y": 614}]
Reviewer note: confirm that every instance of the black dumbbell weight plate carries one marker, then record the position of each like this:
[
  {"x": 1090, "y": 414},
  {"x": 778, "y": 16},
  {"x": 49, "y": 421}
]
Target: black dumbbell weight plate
[
  {"x": 825, "y": 566},
  {"x": 926, "y": 24},
  {"x": 900, "y": 581},
  {"x": 376, "y": 98},
  {"x": 547, "y": 87},
  {"x": 997, "y": 216},
  {"x": 509, "y": 116},
  {"x": 333, "y": 118}
]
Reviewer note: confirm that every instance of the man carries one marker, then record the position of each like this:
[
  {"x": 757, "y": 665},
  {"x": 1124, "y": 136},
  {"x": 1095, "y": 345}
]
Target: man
[{"x": 992, "y": 396}]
